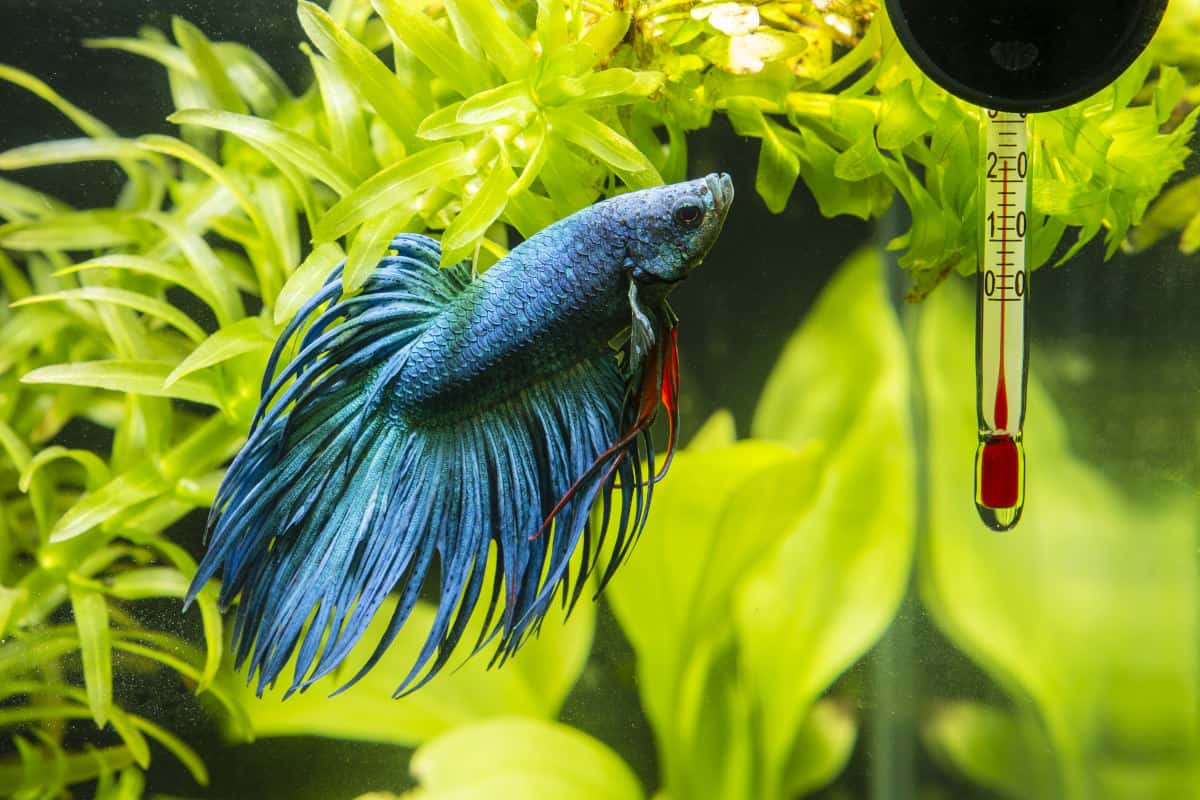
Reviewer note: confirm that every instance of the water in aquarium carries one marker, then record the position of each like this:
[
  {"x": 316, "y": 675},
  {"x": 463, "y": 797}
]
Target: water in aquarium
[{"x": 601, "y": 400}]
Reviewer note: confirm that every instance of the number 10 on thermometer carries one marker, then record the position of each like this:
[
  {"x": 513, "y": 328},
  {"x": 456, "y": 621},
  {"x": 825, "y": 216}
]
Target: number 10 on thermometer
[{"x": 1001, "y": 350}]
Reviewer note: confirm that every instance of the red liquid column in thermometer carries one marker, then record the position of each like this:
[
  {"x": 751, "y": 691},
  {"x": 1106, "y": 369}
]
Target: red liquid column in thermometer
[{"x": 1001, "y": 352}]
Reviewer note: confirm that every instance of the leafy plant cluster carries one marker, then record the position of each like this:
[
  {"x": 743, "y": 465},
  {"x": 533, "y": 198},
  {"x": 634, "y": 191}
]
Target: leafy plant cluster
[{"x": 486, "y": 117}]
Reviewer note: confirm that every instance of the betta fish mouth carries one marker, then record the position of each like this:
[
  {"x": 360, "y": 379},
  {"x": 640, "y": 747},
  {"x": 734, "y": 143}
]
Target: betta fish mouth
[{"x": 721, "y": 186}]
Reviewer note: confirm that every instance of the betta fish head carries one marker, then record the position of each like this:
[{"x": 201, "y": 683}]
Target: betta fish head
[{"x": 669, "y": 229}]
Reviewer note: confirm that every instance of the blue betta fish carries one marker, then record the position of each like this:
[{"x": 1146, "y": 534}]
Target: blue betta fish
[{"x": 434, "y": 415}]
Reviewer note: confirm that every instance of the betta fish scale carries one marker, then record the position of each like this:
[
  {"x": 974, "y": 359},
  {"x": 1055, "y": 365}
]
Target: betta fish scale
[{"x": 434, "y": 415}]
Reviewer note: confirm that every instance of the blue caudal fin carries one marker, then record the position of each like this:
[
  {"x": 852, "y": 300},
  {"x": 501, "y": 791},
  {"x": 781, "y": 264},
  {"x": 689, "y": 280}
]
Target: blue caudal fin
[{"x": 333, "y": 503}]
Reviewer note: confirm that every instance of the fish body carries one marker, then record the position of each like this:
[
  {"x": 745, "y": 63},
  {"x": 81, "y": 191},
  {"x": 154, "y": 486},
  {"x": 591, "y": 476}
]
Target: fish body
[{"x": 436, "y": 416}]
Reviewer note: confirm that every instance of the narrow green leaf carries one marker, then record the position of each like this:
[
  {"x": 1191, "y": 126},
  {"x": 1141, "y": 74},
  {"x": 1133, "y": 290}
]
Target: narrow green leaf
[
  {"x": 778, "y": 169},
  {"x": 226, "y": 303},
  {"x": 123, "y": 724},
  {"x": 17, "y": 201},
  {"x": 552, "y": 25},
  {"x": 95, "y": 467},
  {"x": 95, "y": 645},
  {"x": 70, "y": 151},
  {"x": 167, "y": 272},
  {"x": 243, "y": 336},
  {"x": 75, "y": 230},
  {"x": 478, "y": 214},
  {"x": 186, "y": 755},
  {"x": 83, "y": 120},
  {"x": 165, "y": 54},
  {"x": 268, "y": 274},
  {"x": 276, "y": 143},
  {"x": 134, "y": 377},
  {"x": 370, "y": 244},
  {"x": 507, "y": 102},
  {"x": 503, "y": 47},
  {"x": 594, "y": 136},
  {"x": 137, "y": 301},
  {"x": 436, "y": 49},
  {"x": 377, "y": 84},
  {"x": 604, "y": 36},
  {"x": 209, "y": 69},
  {"x": 537, "y": 159},
  {"x": 445, "y": 124},
  {"x": 307, "y": 280},
  {"x": 397, "y": 185},
  {"x": 253, "y": 78},
  {"x": 344, "y": 116},
  {"x": 148, "y": 582}
]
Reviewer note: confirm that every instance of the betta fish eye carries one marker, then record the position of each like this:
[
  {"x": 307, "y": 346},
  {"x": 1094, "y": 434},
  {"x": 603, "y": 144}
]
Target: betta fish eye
[{"x": 687, "y": 211}]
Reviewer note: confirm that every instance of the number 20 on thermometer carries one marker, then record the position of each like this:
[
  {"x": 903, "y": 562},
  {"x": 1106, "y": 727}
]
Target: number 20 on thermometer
[{"x": 1001, "y": 349}]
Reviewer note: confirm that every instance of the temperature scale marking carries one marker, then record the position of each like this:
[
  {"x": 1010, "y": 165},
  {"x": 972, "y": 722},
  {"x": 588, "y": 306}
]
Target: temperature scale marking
[{"x": 1000, "y": 345}]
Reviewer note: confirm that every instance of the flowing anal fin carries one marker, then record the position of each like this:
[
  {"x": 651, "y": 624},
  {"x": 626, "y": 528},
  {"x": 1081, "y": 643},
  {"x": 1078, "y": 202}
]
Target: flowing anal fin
[{"x": 652, "y": 377}]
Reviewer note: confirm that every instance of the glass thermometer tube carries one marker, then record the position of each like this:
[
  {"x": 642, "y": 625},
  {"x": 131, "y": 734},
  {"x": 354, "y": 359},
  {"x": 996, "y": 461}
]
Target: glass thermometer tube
[{"x": 1001, "y": 347}]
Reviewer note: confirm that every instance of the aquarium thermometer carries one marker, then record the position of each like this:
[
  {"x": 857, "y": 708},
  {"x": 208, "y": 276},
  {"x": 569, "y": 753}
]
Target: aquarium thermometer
[{"x": 1001, "y": 345}]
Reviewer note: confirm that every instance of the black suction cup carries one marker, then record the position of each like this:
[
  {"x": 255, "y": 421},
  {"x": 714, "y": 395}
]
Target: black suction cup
[{"x": 1024, "y": 55}]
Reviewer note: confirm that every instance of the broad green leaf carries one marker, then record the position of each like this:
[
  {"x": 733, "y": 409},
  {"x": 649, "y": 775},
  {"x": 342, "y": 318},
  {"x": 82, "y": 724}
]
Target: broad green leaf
[
  {"x": 307, "y": 280},
  {"x": 435, "y": 48},
  {"x": 395, "y": 186},
  {"x": 801, "y": 624},
  {"x": 370, "y": 244},
  {"x": 70, "y": 151},
  {"x": 983, "y": 744},
  {"x": 1063, "y": 612},
  {"x": 374, "y": 81},
  {"x": 514, "y": 758},
  {"x": 478, "y": 214},
  {"x": 503, "y": 47},
  {"x": 589, "y": 133},
  {"x": 208, "y": 67},
  {"x": 243, "y": 336},
  {"x": 861, "y": 160},
  {"x": 901, "y": 118},
  {"x": 134, "y": 377},
  {"x": 151, "y": 306},
  {"x": 720, "y": 512},
  {"x": 165, "y": 271},
  {"x": 824, "y": 746},
  {"x": 534, "y": 683},
  {"x": 91, "y": 619},
  {"x": 277, "y": 143}
]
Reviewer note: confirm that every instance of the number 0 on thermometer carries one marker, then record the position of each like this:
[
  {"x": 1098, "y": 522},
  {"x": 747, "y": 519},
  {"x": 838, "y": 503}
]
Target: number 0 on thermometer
[{"x": 1001, "y": 349}]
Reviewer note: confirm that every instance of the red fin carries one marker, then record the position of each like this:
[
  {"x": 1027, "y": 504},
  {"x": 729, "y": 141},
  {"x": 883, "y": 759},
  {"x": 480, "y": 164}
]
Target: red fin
[{"x": 669, "y": 394}]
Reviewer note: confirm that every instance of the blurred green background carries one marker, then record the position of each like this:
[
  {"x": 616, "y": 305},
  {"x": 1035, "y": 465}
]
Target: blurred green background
[{"x": 813, "y": 612}]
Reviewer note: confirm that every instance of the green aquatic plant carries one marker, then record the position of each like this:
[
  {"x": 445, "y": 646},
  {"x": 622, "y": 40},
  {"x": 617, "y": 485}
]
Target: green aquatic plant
[{"x": 150, "y": 318}]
